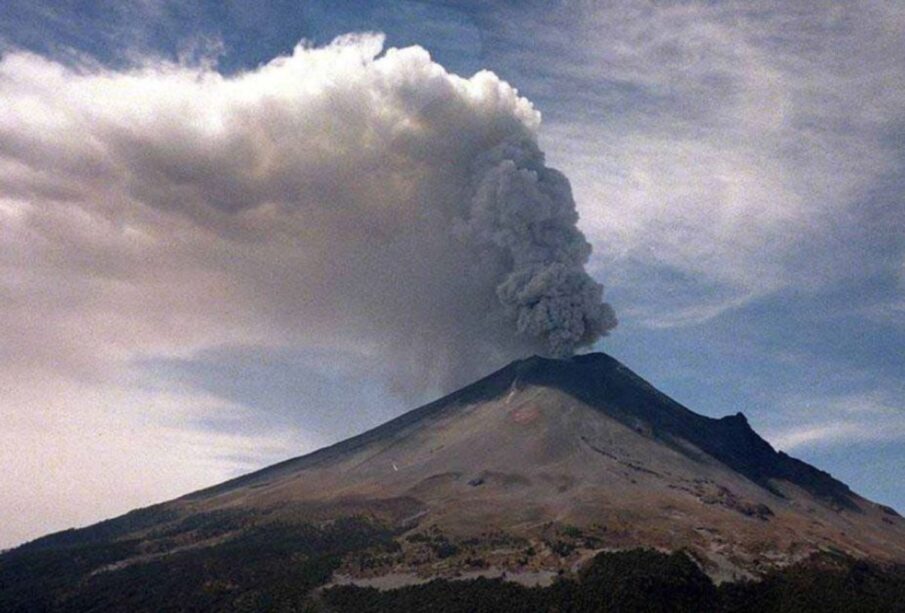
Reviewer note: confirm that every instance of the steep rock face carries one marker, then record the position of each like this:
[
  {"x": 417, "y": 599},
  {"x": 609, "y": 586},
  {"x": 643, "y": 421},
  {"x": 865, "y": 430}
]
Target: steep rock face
[
  {"x": 530, "y": 470},
  {"x": 605, "y": 384}
]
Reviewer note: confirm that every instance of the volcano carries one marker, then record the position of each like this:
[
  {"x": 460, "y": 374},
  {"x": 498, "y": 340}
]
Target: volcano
[{"x": 530, "y": 472}]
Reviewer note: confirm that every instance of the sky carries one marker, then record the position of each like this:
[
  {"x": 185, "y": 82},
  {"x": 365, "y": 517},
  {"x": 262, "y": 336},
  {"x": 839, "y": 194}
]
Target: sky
[{"x": 233, "y": 233}]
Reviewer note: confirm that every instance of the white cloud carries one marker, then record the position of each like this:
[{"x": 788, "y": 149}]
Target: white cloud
[
  {"x": 73, "y": 453},
  {"x": 739, "y": 144},
  {"x": 840, "y": 420},
  {"x": 342, "y": 198},
  {"x": 330, "y": 197}
]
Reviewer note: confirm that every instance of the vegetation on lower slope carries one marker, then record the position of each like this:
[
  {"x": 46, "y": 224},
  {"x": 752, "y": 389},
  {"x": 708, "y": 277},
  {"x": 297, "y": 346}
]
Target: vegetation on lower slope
[
  {"x": 824, "y": 584},
  {"x": 650, "y": 582},
  {"x": 276, "y": 566},
  {"x": 268, "y": 567}
]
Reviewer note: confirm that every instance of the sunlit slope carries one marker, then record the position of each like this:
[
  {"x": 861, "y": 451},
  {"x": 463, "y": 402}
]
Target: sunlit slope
[{"x": 531, "y": 470}]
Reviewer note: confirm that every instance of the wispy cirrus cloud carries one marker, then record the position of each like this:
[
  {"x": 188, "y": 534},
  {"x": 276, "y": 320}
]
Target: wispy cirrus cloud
[
  {"x": 839, "y": 420},
  {"x": 722, "y": 151}
]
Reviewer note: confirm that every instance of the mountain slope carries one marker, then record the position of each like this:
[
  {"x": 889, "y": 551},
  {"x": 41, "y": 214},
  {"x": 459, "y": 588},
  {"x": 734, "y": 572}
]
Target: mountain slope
[
  {"x": 531, "y": 470},
  {"x": 600, "y": 382}
]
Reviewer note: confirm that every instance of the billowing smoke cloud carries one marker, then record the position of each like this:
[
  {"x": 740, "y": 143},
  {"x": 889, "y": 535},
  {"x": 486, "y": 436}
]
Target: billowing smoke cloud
[
  {"x": 526, "y": 211},
  {"x": 338, "y": 198}
]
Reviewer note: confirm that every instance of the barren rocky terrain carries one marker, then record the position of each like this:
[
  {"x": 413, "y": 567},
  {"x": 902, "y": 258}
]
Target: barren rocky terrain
[{"x": 525, "y": 475}]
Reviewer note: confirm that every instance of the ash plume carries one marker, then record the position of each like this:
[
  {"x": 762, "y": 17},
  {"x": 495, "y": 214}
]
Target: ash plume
[
  {"x": 526, "y": 211},
  {"x": 344, "y": 198}
]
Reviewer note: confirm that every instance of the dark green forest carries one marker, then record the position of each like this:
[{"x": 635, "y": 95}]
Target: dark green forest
[
  {"x": 651, "y": 582},
  {"x": 276, "y": 567},
  {"x": 270, "y": 567}
]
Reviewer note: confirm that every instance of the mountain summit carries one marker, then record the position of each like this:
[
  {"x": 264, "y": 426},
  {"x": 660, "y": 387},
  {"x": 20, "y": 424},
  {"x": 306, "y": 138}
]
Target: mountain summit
[{"x": 530, "y": 471}]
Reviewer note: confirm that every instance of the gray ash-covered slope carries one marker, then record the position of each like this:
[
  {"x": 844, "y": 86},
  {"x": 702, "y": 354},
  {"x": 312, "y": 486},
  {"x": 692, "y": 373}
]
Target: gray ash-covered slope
[
  {"x": 603, "y": 383},
  {"x": 530, "y": 470}
]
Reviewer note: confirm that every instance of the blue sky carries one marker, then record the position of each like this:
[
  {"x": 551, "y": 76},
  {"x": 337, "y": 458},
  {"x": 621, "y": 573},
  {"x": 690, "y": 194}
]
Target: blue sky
[{"x": 737, "y": 168}]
